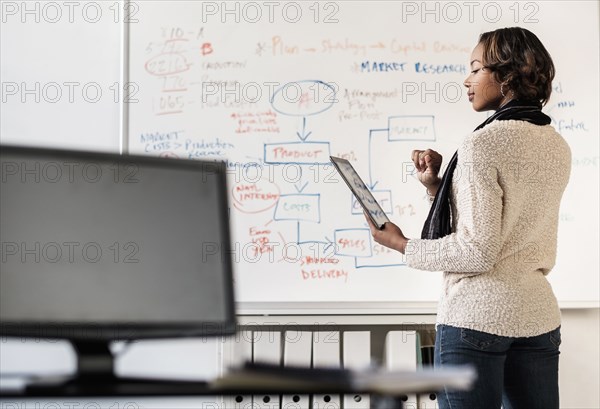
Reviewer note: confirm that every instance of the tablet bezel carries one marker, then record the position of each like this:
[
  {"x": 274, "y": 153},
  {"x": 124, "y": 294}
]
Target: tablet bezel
[{"x": 380, "y": 224}]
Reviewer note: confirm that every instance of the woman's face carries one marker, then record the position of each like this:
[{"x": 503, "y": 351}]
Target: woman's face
[{"x": 483, "y": 90}]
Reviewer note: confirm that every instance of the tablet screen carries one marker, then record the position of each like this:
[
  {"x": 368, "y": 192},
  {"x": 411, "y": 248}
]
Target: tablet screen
[{"x": 361, "y": 192}]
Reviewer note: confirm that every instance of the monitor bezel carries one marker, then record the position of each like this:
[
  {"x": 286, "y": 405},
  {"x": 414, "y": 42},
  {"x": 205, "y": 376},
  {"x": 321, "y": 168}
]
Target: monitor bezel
[{"x": 115, "y": 331}]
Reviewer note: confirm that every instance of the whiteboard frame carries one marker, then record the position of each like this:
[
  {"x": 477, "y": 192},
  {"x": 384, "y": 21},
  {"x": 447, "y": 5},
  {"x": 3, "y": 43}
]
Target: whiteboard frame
[{"x": 362, "y": 308}]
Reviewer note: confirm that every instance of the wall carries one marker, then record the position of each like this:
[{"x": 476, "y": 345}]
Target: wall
[
  {"x": 61, "y": 74},
  {"x": 579, "y": 373}
]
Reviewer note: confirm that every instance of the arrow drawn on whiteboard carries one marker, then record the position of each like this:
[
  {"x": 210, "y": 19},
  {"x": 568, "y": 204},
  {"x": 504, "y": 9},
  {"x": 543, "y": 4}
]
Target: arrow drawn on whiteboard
[
  {"x": 330, "y": 243},
  {"x": 299, "y": 189},
  {"x": 304, "y": 135},
  {"x": 327, "y": 243},
  {"x": 371, "y": 185},
  {"x": 362, "y": 264},
  {"x": 256, "y": 160},
  {"x": 299, "y": 186}
]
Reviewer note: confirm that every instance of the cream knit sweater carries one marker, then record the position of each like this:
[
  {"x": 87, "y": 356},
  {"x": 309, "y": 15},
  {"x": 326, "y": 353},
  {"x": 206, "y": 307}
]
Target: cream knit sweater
[{"x": 505, "y": 200}]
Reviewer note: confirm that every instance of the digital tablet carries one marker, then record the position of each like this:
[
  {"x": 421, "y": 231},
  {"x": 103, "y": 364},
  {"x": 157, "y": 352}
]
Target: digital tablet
[{"x": 361, "y": 192}]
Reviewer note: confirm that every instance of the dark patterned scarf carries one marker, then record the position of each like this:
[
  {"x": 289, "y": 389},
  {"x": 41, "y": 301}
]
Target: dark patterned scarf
[{"x": 438, "y": 223}]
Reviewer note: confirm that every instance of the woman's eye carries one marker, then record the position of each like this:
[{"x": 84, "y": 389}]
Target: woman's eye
[{"x": 475, "y": 71}]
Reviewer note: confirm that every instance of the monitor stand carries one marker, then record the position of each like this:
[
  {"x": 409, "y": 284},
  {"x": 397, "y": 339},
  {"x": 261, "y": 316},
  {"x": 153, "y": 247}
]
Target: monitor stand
[{"x": 95, "y": 377}]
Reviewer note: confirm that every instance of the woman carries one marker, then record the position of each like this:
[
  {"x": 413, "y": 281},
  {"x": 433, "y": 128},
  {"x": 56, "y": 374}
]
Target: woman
[{"x": 492, "y": 229}]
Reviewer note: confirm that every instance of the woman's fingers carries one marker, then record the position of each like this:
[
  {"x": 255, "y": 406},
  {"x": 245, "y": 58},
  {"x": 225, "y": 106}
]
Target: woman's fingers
[{"x": 426, "y": 159}]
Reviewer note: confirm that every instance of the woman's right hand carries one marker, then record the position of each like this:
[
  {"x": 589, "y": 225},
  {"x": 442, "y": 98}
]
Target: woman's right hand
[{"x": 428, "y": 164}]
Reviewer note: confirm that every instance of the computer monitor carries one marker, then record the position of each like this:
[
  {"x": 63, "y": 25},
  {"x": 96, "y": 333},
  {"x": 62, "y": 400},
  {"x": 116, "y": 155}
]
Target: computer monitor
[{"x": 100, "y": 247}]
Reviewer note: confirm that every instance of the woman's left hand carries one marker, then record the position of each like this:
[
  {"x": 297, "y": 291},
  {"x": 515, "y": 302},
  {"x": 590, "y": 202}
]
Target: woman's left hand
[{"x": 390, "y": 236}]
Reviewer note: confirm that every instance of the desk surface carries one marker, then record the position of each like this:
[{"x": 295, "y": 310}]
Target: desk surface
[{"x": 256, "y": 379}]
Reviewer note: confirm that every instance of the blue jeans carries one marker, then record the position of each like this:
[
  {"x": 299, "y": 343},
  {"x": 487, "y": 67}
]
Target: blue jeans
[{"x": 515, "y": 372}]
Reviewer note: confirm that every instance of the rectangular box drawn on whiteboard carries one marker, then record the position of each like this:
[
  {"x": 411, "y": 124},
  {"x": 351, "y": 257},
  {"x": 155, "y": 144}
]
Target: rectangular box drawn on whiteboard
[
  {"x": 383, "y": 197},
  {"x": 299, "y": 207},
  {"x": 411, "y": 128},
  {"x": 302, "y": 153},
  {"x": 353, "y": 242}
]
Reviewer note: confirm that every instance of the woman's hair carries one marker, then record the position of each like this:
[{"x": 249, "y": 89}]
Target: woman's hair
[{"x": 519, "y": 60}]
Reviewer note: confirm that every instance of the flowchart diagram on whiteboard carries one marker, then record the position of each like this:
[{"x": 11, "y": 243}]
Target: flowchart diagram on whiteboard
[{"x": 276, "y": 100}]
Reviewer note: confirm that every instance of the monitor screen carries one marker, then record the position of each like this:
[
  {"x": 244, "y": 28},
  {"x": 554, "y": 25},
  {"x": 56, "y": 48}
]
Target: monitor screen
[{"x": 113, "y": 247}]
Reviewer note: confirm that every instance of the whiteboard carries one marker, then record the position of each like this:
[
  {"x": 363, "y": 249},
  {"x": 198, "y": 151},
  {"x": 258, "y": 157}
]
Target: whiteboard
[
  {"x": 61, "y": 74},
  {"x": 274, "y": 91}
]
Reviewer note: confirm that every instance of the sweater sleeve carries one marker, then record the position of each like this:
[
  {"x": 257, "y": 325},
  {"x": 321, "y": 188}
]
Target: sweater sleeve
[{"x": 475, "y": 244}]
